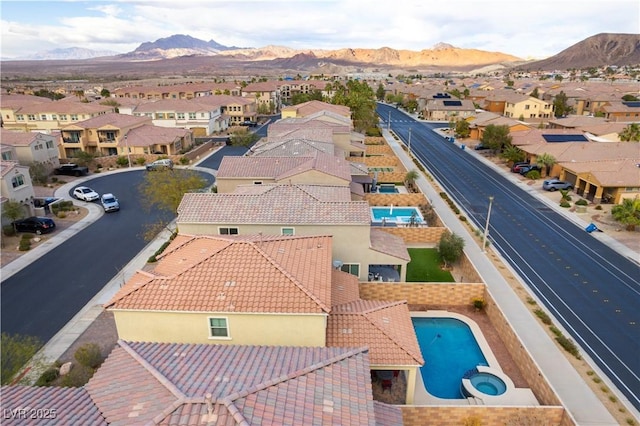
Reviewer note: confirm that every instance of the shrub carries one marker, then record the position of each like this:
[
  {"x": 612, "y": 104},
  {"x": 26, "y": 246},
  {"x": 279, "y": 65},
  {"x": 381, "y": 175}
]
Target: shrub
[
  {"x": 598, "y": 207},
  {"x": 533, "y": 175},
  {"x": 77, "y": 377},
  {"x": 140, "y": 161},
  {"x": 122, "y": 161},
  {"x": 89, "y": 355},
  {"x": 8, "y": 230},
  {"x": 565, "y": 204},
  {"x": 478, "y": 303},
  {"x": 568, "y": 346},
  {"x": 48, "y": 377},
  {"x": 184, "y": 161},
  {"x": 25, "y": 244},
  {"x": 62, "y": 215},
  {"x": 543, "y": 316},
  {"x": 582, "y": 202}
]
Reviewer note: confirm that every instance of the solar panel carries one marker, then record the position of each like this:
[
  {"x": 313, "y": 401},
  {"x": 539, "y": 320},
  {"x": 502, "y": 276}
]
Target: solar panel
[
  {"x": 632, "y": 104},
  {"x": 442, "y": 96},
  {"x": 452, "y": 103},
  {"x": 565, "y": 138}
]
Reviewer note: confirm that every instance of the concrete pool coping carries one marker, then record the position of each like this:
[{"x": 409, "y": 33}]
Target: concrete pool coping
[
  {"x": 419, "y": 218},
  {"x": 513, "y": 396}
]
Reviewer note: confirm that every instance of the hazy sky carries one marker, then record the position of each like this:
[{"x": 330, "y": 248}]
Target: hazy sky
[{"x": 534, "y": 29}]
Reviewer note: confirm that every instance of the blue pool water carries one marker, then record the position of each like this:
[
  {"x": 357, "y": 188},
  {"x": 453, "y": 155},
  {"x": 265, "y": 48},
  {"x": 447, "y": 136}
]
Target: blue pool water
[
  {"x": 387, "y": 189},
  {"x": 396, "y": 214},
  {"x": 449, "y": 350}
]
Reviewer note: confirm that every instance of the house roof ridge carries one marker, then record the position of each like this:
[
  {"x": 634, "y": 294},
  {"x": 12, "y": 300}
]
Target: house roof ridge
[
  {"x": 417, "y": 357},
  {"x": 125, "y": 293}
]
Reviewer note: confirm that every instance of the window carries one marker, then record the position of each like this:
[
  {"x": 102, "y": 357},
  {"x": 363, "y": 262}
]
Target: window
[
  {"x": 192, "y": 116},
  {"x": 228, "y": 231},
  {"x": 54, "y": 117},
  {"x": 49, "y": 144},
  {"x": 6, "y": 156},
  {"x": 288, "y": 231},
  {"x": 218, "y": 328},
  {"x": 31, "y": 117},
  {"x": 526, "y": 107},
  {"x": 17, "y": 180},
  {"x": 19, "y": 117},
  {"x": 74, "y": 117},
  {"x": 63, "y": 117},
  {"x": 43, "y": 117},
  {"x": 257, "y": 182},
  {"x": 352, "y": 268},
  {"x": 181, "y": 116}
]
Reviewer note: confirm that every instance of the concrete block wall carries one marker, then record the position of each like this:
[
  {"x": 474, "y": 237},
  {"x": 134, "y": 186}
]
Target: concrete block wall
[
  {"x": 422, "y": 235},
  {"x": 423, "y": 293},
  {"x": 413, "y": 199},
  {"x": 444, "y": 415}
]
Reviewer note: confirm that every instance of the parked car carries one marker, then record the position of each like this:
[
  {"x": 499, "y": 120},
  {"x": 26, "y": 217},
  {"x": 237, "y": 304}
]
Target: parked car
[
  {"x": 523, "y": 170},
  {"x": 37, "y": 224},
  {"x": 85, "y": 193},
  {"x": 480, "y": 147},
  {"x": 555, "y": 184},
  {"x": 71, "y": 170},
  {"x": 516, "y": 166},
  {"x": 249, "y": 123},
  {"x": 109, "y": 203},
  {"x": 160, "y": 165}
]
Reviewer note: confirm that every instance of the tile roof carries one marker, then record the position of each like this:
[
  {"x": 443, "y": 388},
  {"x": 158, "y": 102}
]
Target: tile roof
[
  {"x": 297, "y": 147},
  {"x": 17, "y": 101},
  {"x": 321, "y": 134},
  {"x": 611, "y": 173},
  {"x": 385, "y": 327},
  {"x": 7, "y": 166},
  {"x": 112, "y": 120},
  {"x": 68, "y": 406},
  {"x": 8, "y": 137},
  {"x": 387, "y": 243},
  {"x": 150, "y": 135},
  {"x": 280, "y": 168},
  {"x": 170, "y": 105},
  {"x": 344, "y": 287},
  {"x": 235, "y": 274},
  {"x": 199, "y": 384},
  {"x": 276, "y": 204},
  {"x": 67, "y": 107},
  {"x": 311, "y": 107}
]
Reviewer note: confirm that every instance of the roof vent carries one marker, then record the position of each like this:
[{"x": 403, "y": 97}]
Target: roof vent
[
  {"x": 347, "y": 331},
  {"x": 230, "y": 284},
  {"x": 386, "y": 320}
]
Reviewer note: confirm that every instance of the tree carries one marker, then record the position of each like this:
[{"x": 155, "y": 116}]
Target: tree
[
  {"x": 535, "y": 93},
  {"x": 164, "y": 189},
  {"x": 513, "y": 154},
  {"x": 450, "y": 247},
  {"x": 547, "y": 160},
  {"x": 13, "y": 211},
  {"x": 16, "y": 350},
  {"x": 496, "y": 137},
  {"x": 105, "y": 93},
  {"x": 560, "y": 105},
  {"x": 39, "y": 173},
  {"x": 411, "y": 177},
  {"x": 631, "y": 133},
  {"x": 380, "y": 92},
  {"x": 627, "y": 213},
  {"x": 462, "y": 129}
]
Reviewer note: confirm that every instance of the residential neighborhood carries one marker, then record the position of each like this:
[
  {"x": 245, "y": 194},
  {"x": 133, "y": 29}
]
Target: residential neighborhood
[{"x": 294, "y": 289}]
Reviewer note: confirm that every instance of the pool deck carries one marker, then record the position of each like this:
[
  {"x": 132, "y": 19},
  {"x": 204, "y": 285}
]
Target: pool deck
[
  {"x": 513, "y": 396},
  {"x": 581, "y": 403}
]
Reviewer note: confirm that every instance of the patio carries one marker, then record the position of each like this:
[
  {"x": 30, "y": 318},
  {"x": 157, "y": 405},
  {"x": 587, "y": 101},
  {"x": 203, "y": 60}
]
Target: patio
[{"x": 383, "y": 273}]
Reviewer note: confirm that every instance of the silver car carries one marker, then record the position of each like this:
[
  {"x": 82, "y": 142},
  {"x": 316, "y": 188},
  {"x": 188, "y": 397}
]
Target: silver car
[
  {"x": 555, "y": 184},
  {"x": 110, "y": 203}
]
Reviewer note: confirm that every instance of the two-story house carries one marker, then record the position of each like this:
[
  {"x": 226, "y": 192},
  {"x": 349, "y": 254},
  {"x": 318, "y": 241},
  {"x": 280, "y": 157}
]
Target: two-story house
[
  {"x": 30, "y": 148},
  {"x": 16, "y": 185}
]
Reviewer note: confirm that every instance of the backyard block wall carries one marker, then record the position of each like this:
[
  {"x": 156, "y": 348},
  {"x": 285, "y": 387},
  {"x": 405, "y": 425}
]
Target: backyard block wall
[
  {"x": 537, "y": 383},
  {"x": 416, "y": 235},
  {"x": 413, "y": 199},
  {"x": 379, "y": 150},
  {"x": 444, "y": 415},
  {"x": 423, "y": 293},
  {"x": 383, "y": 161}
]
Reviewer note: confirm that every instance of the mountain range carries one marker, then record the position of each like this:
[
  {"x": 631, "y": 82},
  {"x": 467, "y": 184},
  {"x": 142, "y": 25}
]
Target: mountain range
[{"x": 180, "y": 52}]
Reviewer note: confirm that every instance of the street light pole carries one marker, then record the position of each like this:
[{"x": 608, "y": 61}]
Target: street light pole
[
  {"x": 486, "y": 227},
  {"x": 409, "y": 143},
  {"x": 128, "y": 150},
  {"x": 389, "y": 122}
]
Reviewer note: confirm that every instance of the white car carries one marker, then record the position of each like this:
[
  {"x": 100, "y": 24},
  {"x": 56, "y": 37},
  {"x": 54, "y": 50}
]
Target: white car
[{"x": 85, "y": 193}]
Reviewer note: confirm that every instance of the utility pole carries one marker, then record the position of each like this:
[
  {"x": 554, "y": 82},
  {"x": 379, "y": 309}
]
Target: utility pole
[
  {"x": 389, "y": 122},
  {"x": 486, "y": 227},
  {"x": 128, "y": 150},
  {"x": 409, "y": 143}
]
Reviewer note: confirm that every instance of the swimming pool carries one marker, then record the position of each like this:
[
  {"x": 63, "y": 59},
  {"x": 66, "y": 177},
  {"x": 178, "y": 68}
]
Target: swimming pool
[
  {"x": 450, "y": 350},
  {"x": 396, "y": 215},
  {"x": 387, "y": 189}
]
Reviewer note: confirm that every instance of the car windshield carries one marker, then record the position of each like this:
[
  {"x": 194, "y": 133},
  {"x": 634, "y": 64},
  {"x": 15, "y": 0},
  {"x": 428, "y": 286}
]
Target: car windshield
[
  {"x": 85, "y": 190},
  {"x": 108, "y": 200}
]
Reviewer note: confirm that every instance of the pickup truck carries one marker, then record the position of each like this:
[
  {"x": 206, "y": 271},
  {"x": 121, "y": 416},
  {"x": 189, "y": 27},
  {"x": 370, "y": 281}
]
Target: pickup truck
[{"x": 71, "y": 170}]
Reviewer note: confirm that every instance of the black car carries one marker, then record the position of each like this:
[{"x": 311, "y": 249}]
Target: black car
[
  {"x": 37, "y": 224},
  {"x": 526, "y": 169},
  {"x": 480, "y": 147}
]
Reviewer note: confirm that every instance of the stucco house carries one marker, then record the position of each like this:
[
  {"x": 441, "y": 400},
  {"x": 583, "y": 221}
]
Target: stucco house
[
  {"x": 297, "y": 209},
  {"x": 16, "y": 185},
  {"x": 262, "y": 290},
  {"x": 448, "y": 109},
  {"x": 479, "y": 122},
  {"x": 306, "y": 109},
  {"x": 32, "y": 147},
  {"x": 196, "y": 385}
]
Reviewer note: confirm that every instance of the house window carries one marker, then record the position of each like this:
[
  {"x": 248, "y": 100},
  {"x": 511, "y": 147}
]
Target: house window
[
  {"x": 352, "y": 268},
  {"x": 526, "y": 107},
  {"x": 31, "y": 117},
  {"x": 43, "y": 117},
  {"x": 288, "y": 231},
  {"x": 6, "y": 156},
  {"x": 181, "y": 116},
  {"x": 17, "y": 180},
  {"x": 228, "y": 231},
  {"x": 63, "y": 117},
  {"x": 49, "y": 144},
  {"x": 54, "y": 117},
  {"x": 74, "y": 117},
  {"x": 19, "y": 117},
  {"x": 192, "y": 116},
  {"x": 257, "y": 182},
  {"x": 218, "y": 328}
]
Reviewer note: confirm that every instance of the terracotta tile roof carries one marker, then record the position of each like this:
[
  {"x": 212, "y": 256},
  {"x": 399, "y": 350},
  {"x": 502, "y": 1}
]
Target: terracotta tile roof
[
  {"x": 311, "y": 107},
  {"x": 385, "y": 327},
  {"x": 67, "y": 107},
  {"x": 387, "y": 243},
  {"x": 611, "y": 173},
  {"x": 170, "y": 105},
  {"x": 280, "y": 168},
  {"x": 7, "y": 166},
  {"x": 322, "y": 134},
  {"x": 309, "y": 122},
  {"x": 8, "y": 137},
  {"x": 229, "y": 385},
  {"x": 73, "y": 406},
  {"x": 276, "y": 204},
  {"x": 227, "y": 274},
  {"x": 149, "y": 135},
  {"x": 17, "y": 102},
  {"x": 297, "y": 147},
  {"x": 344, "y": 287},
  {"x": 112, "y": 119}
]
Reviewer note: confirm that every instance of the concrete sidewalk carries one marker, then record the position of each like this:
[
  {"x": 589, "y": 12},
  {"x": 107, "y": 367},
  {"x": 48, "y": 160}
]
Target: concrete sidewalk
[{"x": 575, "y": 394}]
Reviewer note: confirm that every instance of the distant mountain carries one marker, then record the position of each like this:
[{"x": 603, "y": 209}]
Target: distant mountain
[
  {"x": 596, "y": 51},
  {"x": 68, "y": 54},
  {"x": 176, "y": 46}
]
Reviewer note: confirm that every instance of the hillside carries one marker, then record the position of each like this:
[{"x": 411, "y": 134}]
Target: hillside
[{"x": 596, "y": 51}]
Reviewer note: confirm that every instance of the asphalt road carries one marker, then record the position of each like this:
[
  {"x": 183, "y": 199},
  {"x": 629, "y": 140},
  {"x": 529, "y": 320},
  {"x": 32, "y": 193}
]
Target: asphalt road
[{"x": 592, "y": 290}]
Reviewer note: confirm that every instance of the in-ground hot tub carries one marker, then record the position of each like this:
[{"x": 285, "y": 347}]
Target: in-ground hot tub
[{"x": 485, "y": 382}]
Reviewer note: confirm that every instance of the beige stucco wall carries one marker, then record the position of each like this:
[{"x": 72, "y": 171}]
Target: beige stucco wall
[
  {"x": 244, "y": 329},
  {"x": 21, "y": 194},
  {"x": 226, "y": 185},
  {"x": 311, "y": 177}
]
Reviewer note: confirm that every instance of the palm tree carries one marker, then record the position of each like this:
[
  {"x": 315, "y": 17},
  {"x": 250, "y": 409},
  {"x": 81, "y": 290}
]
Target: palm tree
[
  {"x": 547, "y": 160},
  {"x": 627, "y": 213},
  {"x": 411, "y": 177}
]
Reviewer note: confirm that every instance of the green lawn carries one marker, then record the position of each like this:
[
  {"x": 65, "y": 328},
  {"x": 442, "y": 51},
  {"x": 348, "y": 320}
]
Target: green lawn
[{"x": 425, "y": 266}]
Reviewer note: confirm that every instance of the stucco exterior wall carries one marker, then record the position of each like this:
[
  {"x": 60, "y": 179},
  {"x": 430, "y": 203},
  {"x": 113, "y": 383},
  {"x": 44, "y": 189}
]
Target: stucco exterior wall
[{"x": 244, "y": 329}]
